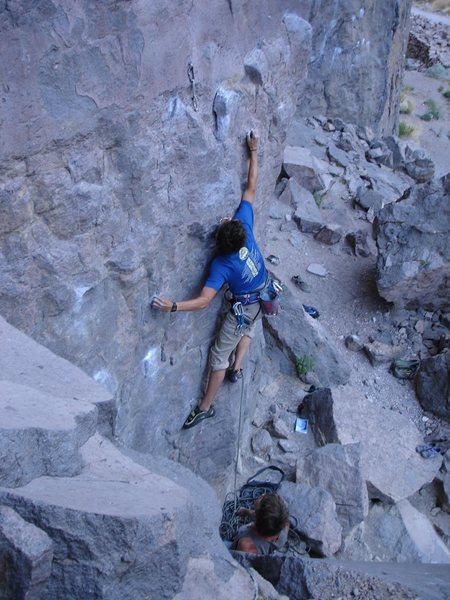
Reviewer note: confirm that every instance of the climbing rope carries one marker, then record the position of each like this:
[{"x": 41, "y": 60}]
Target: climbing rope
[{"x": 238, "y": 449}]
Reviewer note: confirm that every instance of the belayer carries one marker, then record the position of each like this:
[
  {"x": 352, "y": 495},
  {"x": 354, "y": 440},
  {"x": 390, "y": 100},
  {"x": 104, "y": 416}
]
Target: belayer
[{"x": 240, "y": 264}]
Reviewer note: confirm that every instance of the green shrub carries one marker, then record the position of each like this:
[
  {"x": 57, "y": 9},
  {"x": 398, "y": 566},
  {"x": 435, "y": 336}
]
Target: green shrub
[
  {"x": 432, "y": 112},
  {"x": 405, "y": 130},
  {"x": 304, "y": 364},
  {"x": 319, "y": 198},
  {"x": 446, "y": 94}
]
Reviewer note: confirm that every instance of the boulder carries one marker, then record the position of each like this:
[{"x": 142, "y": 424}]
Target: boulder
[
  {"x": 26, "y": 554},
  {"x": 31, "y": 365},
  {"x": 41, "y": 434},
  {"x": 391, "y": 467},
  {"x": 262, "y": 443},
  {"x": 124, "y": 529},
  {"x": 418, "y": 164},
  {"x": 359, "y": 242},
  {"x": 329, "y": 234},
  {"x": 390, "y": 185},
  {"x": 368, "y": 198},
  {"x": 338, "y": 470},
  {"x": 298, "y": 336},
  {"x": 307, "y": 214},
  {"x": 315, "y": 514},
  {"x": 396, "y": 533},
  {"x": 432, "y": 383},
  {"x": 379, "y": 353},
  {"x": 309, "y": 171},
  {"x": 413, "y": 240}
]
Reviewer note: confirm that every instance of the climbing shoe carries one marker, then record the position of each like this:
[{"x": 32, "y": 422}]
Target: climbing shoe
[
  {"x": 313, "y": 312},
  {"x": 300, "y": 283},
  {"x": 234, "y": 375},
  {"x": 196, "y": 415}
]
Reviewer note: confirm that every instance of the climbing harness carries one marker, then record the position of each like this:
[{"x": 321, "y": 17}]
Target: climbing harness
[{"x": 191, "y": 76}]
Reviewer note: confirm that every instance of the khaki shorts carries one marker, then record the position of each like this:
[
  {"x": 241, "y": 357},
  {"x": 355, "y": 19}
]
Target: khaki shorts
[{"x": 227, "y": 340}]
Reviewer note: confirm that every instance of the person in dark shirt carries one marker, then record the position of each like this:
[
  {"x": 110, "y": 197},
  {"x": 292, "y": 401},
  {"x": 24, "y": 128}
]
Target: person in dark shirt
[{"x": 269, "y": 528}]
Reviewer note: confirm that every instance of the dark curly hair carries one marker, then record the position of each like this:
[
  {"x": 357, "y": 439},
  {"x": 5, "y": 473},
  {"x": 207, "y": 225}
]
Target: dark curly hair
[
  {"x": 271, "y": 515},
  {"x": 230, "y": 237}
]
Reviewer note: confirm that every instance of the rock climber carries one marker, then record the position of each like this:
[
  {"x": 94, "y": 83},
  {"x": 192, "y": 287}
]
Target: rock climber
[
  {"x": 239, "y": 264},
  {"x": 269, "y": 528}
]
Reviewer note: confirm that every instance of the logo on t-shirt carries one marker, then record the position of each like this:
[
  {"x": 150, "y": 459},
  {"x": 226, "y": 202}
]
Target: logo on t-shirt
[{"x": 250, "y": 269}]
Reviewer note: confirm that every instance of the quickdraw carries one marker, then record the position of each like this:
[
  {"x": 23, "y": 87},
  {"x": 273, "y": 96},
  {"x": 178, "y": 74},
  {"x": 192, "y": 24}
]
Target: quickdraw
[{"x": 191, "y": 76}]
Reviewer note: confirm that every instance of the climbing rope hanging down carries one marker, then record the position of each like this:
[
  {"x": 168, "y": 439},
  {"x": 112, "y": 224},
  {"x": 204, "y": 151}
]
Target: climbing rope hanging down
[{"x": 248, "y": 494}]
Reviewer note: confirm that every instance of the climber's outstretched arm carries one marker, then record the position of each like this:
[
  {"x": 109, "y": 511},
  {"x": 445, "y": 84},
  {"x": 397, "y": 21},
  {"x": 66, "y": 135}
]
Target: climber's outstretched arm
[
  {"x": 252, "y": 177},
  {"x": 199, "y": 303}
]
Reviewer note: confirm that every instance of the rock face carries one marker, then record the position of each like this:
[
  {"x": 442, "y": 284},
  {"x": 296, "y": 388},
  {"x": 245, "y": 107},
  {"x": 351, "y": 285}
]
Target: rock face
[
  {"x": 137, "y": 147},
  {"x": 413, "y": 239},
  {"x": 341, "y": 84},
  {"x": 393, "y": 471},
  {"x": 122, "y": 153}
]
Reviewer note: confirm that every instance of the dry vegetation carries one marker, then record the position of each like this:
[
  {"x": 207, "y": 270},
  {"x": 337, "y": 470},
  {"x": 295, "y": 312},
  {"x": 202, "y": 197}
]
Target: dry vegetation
[{"x": 436, "y": 5}]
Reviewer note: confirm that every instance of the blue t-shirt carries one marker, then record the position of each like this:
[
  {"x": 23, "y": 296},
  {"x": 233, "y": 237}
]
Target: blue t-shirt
[{"x": 244, "y": 271}]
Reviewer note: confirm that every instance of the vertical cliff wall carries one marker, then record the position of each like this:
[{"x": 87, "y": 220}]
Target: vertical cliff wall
[
  {"x": 122, "y": 141},
  {"x": 357, "y": 61}
]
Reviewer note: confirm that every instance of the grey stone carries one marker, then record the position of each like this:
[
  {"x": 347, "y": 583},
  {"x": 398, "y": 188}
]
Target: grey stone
[
  {"x": 307, "y": 215},
  {"x": 28, "y": 364},
  {"x": 432, "y": 384},
  {"x": 224, "y": 108},
  {"x": 329, "y": 234},
  {"x": 262, "y": 443},
  {"x": 315, "y": 512},
  {"x": 317, "y": 269},
  {"x": 338, "y": 156},
  {"x": 298, "y": 335},
  {"x": 369, "y": 198},
  {"x": 418, "y": 164},
  {"x": 256, "y": 66},
  {"x": 338, "y": 470},
  {"x": 413, "y": 242},
  {"x": 397, "y": 533},
  {"x": 288, "y": 445},
  {"x": 309, "y": 171},
  {"x": 26, "y": 555},
  {"x": 353, "y": 343},
  {"x": 392, "y": 471},
  {"x": 280, "y": 428},
  {"x": 41, "y": 434},
  {"x": 379, "y": 353},
  {"x": 119, "y": 529},
  {"x": 359, "y": 242}
]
